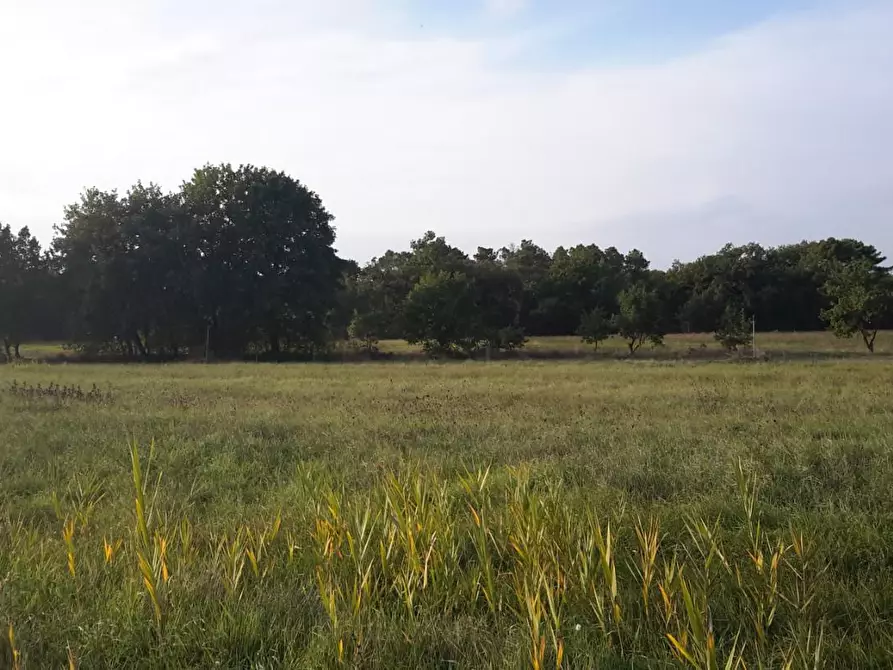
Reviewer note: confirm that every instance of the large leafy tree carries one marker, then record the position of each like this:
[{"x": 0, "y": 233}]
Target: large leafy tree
[
  {"x": 242, "y": 257},
  {"x": 861, "y": 296},
  {"x": 160, "y": 270},
  {"x": 379, "y": 291},
  {"x": 10, "y": 280},
  {"x": 464, "y": 305},
  {"x": 125, "y": 264},
  {"x": 581, "y": 279},
  {"x": 498, "y": 302},
  {"x": 95, "y": 259},
  {"x": 531, "y": 264},
  {"x": 440, "y": 313},
  {"x": 744, "y": 276},
  {"x": 23, "y": 288},
  {"x": 558, "y": 290},
  {"x": 266, "y": 273}
]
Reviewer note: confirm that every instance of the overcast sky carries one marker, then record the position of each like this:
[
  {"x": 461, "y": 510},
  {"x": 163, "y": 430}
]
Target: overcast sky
[{"x": 671, "y": 126}]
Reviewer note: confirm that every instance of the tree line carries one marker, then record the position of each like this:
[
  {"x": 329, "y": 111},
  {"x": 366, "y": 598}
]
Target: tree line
[{"x": 240, "y": 262}]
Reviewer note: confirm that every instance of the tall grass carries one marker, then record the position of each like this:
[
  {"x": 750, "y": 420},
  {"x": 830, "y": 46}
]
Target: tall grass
[
  {"x": 568, "y": 585},
  {"x": 500, "y": 516}
]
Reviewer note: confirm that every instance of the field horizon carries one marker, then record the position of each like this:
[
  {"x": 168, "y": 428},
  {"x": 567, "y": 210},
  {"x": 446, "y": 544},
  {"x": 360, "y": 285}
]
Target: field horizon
[{"x": 677, "y": 346}]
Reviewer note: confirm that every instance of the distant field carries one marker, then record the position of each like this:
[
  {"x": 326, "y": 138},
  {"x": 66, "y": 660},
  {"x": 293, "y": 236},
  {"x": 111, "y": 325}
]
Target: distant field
[
  {"x": 320, "y": 515},
  {"x": 690, "y": 345},
  {"x": 772, "y": 343}
]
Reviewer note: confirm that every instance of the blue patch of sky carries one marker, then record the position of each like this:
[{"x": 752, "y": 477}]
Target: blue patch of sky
[{"x": 603, "y": 32}]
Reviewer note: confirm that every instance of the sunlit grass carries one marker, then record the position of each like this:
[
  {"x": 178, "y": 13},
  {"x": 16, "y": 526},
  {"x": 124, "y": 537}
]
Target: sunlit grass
[{"x": 605, "y": 514}]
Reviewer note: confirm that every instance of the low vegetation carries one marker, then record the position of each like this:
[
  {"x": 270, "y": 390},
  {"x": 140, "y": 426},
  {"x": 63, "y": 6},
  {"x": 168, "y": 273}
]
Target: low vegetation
[{"x": 473, "y": 515}]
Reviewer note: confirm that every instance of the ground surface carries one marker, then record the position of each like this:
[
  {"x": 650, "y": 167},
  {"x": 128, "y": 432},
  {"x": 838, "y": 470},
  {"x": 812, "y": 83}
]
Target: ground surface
[
  {"x": 694, "y": 346},
  {"x": 311, "y": 514},
  {"x": 778, "y": 345}
]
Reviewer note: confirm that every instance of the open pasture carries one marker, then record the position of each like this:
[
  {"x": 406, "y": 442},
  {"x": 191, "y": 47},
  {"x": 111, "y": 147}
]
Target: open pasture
[{"x": 503, "y": 514}]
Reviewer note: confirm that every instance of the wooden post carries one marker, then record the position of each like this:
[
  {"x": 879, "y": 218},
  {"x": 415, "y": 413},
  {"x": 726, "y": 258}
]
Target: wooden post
[{"x": 753, "y": 335}]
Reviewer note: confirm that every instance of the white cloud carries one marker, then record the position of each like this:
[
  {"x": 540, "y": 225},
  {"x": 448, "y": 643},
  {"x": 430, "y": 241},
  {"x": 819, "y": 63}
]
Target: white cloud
[{"x": 787, "y": 125}]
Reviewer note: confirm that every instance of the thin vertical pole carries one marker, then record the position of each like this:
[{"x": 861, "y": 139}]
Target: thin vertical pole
[{"x": 753, "y": 335}]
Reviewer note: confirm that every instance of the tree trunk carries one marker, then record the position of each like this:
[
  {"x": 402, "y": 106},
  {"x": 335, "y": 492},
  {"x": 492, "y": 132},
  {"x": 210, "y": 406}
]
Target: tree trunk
[
  {"x": 16, "y": 349},
  {"x": 141, "y": 347},
  {"x": 7, "y": 347},
  {"x": 868, "y": 337},
  {"x": 146, "y": 344}
]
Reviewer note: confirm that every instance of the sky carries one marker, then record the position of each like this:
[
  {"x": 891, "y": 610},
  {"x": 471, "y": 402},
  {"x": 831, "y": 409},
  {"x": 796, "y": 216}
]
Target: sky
[{"x": 671, "y": 126}]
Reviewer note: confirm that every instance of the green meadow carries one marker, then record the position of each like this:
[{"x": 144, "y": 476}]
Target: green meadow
[{"x": 579, "y": 514}]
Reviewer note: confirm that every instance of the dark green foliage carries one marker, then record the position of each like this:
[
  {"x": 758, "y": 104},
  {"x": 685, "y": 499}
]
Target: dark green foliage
[
  {"x": 458, "y": 312},
  {"x": 240, "y": 259},
  {"x": 781, "y": 287},
  {"x": 265, "y": 269},
  {"x": 436, "y": 296},
  {"x": 639, "y": 318},
  {"x": 440, "y": 313},
  {"x": 582, "y": 278},
  {"x": 596, "y": 327},
  {"x": 735, "y": 329},
  {"x": 498, "y": 295},
  {"x": 364, "y": 330},
  {"x": 861, "y": 295},
  {"x": 530, "y": 263},
  {"x": 127, "y": 266},
  {"x": 25, "y": 289}
]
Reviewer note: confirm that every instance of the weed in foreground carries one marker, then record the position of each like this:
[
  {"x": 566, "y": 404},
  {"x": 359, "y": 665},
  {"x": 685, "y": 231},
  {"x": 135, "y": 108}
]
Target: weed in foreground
[{"x": 414, "y": 550}]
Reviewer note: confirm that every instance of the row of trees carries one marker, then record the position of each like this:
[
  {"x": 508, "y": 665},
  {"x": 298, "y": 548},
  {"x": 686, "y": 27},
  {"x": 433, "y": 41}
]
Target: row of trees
[
  {"x": 241, "y": 261},
  {"x": 436, "y": 295},
  {"x": 238, "y": 259},
  {"x": 24, "y": 288}
]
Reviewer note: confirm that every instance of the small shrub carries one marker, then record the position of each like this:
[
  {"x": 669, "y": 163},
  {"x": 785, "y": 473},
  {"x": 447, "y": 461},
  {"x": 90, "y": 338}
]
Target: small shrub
[
  {"x": 363, "y": 332},
  {"x": 60, "y": 393},
  {"x": 734, "y": 329},
  {"x": 510, "y": 338},
  {"x": 595, "y": 327}
]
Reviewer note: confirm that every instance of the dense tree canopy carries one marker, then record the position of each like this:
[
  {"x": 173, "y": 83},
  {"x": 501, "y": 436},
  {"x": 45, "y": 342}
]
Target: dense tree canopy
[
  {"x": 24, "y": 287},
  {"x": 861, "y": 297},
  {"x": 265, "y": 269},
  {"x": 240, "y": 261}
]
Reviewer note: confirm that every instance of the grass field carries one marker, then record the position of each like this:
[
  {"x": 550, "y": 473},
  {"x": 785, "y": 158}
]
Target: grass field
[
  {"x": 512, "y": 514},
  {"x": 694, "y": 345},
  {"x": 779, "y": 345}
]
